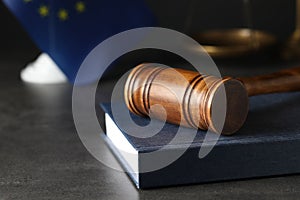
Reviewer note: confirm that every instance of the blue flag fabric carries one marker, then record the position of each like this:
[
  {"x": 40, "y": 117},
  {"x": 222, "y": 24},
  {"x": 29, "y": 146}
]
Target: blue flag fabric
[{"x": 69, "y": 29}]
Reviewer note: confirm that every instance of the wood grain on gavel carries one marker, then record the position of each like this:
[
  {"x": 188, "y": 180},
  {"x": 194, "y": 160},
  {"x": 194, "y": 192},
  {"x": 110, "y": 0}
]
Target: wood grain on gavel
[{"x": 194, "y": 100}]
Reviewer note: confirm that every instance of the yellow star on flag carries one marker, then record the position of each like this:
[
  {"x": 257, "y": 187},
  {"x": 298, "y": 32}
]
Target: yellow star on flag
[
  {"x": 27, "y": 1},
  {"x": 43, "y": 11},
  {"x": 63, "y": 14},
  {"x": 80, "y": 6}
]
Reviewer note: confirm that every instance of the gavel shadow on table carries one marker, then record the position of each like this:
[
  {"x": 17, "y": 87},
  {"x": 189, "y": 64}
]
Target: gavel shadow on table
[{"x": 192, "y": 99}]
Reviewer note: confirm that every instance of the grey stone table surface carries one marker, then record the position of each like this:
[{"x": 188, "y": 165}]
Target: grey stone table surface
[{"x": 42, "y": 157}]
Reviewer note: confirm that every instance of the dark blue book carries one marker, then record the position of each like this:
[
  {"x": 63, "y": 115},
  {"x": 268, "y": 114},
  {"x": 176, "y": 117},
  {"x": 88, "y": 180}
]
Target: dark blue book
[{"x": 267, "y": 145}]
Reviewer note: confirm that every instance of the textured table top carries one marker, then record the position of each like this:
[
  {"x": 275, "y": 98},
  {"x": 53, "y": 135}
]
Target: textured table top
[{"x": 42, "y": 157}]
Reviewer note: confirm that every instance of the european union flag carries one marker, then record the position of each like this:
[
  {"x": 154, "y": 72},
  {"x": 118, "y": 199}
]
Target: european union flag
[{"x": 69, "y": 29}]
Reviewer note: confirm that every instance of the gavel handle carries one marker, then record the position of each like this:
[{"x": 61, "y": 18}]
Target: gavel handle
[{"x": 283, "y": 81}]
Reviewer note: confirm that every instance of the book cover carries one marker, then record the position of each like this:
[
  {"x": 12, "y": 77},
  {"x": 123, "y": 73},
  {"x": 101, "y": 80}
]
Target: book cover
[{"x": 268, "y": 144}]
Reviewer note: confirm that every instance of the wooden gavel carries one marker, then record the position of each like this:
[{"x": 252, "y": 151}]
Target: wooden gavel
[{"x": 192, "y": 99}]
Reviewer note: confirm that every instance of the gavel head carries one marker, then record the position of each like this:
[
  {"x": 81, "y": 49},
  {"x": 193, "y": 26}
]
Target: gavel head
[{"x": 187, "y": 97}]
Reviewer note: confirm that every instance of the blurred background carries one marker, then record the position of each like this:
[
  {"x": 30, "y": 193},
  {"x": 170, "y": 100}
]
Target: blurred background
[{"x": 191, "y": 17}]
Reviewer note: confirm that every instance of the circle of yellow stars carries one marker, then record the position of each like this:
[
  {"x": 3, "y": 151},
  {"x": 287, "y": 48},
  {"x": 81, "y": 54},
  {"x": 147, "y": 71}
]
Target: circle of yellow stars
[{"x": 62, "y": 14}]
